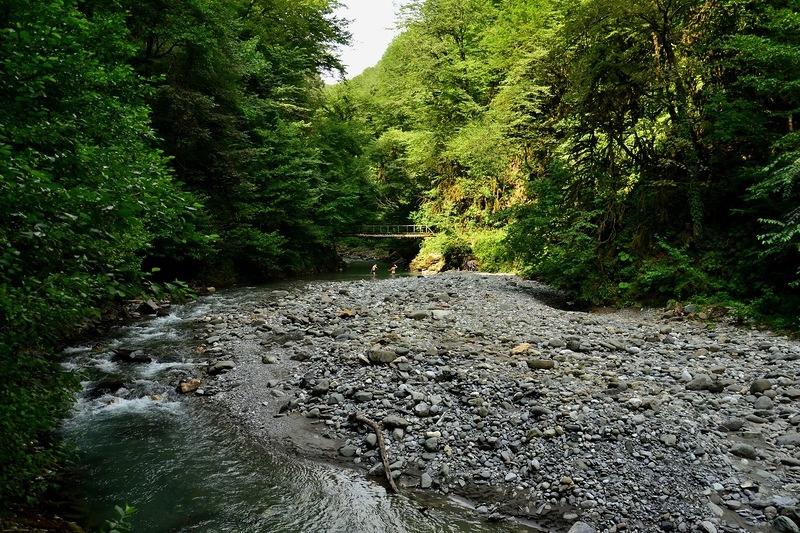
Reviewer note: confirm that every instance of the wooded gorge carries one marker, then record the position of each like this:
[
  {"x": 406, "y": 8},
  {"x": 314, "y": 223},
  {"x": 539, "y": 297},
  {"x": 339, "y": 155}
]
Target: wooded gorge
[{"x": 623, "y": 151}]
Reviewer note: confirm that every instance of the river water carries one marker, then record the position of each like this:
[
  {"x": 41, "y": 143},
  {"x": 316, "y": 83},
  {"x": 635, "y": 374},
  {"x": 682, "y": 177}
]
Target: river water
[{"x": 186, "y": 470}]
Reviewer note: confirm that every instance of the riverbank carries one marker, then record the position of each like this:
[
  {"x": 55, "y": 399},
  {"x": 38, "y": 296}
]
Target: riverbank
[{"x": 487, "y": 388}]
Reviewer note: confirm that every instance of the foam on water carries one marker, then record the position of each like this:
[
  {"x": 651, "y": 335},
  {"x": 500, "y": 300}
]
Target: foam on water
[
  {"x": 94, "y": 411},
  {"x": 74, "y": 350},
  {"x": 156, "y": 368}
]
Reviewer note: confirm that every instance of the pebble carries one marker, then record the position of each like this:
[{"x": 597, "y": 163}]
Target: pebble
[{"x": 491, "y": 386}]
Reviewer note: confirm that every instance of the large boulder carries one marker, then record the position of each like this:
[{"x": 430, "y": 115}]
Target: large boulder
[
  {"x": 428, "y": 262},
  {"x": 108, "y": 385}
]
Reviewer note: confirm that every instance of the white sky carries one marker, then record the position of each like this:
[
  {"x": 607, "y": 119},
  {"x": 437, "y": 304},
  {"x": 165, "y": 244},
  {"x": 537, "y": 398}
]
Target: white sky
[{"x": 372, "y": 25}]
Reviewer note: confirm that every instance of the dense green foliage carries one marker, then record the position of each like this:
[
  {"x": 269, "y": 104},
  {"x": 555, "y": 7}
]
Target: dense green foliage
[
  {"x": 631, "y": 150},
  {"x": 83, "y": 192},
  {"x": 239, "y": 107},
  {"x": 145, "y": 140}
]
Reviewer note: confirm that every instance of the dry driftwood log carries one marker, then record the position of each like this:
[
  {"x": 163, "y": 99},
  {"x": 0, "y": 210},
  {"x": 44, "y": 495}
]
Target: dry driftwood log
[{"x": 358, "y": 417}]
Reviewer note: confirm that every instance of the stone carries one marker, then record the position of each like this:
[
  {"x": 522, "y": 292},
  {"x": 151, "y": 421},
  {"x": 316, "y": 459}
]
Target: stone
[
  {"x": 321, "y": 387},
  {"x": 148, "y": 308},
  {"x": 432, "y": 444},
  {"x": 191, "y": 385},
  {"x": 790, "y": 439},
  {"x": 540, "y": 410},
  {"x": 335, "y": 399},
  {"x": 792, "y": 392},
  {"x": 541, "y": 364},
  {"x": 348, "y": 450},
  {"x": 763, "y": 403},
  {"x": 733, "y": 504},
  {"x": 784, "y": 524},
  {"x": 131, "y": 356},
  {"x": 220, "y": 367},
  {"x": 425, "y": 481},
  {"x": 300, "y": 355},
  {"x": 582, "y": 527},
  {"x": 422, "y": 410},
  {"x": 363, "y": 396},
  {"x": 394, "y": 421},
  {"x": 733, "y": 424},
  {"x": 521, "y": 348},
  {"x": 379, "y": 355},
  {"x": 743, "y": 450},
  {"x": 556, "y": 343},
  {"x": 708, "y": 526},
  {"x": 700, "y": 382},
  {"x": 669, "y": 440},
  {"x": 760, "y": 385},
  {"x": 715, "y": 510}
]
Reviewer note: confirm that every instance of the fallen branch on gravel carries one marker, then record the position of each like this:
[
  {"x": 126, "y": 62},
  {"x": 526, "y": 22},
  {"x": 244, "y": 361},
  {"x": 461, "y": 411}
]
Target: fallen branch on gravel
[{"x": 358, "y": 417}]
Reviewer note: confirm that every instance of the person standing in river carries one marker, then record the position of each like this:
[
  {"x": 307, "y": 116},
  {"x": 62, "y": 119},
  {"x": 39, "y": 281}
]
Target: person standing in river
[
  {"x": 393, "y": 269},
  {"x": 374, "y": 269}
]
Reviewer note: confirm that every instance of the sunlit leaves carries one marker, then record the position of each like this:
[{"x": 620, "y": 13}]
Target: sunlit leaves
[{"x": 636, "y": 122}]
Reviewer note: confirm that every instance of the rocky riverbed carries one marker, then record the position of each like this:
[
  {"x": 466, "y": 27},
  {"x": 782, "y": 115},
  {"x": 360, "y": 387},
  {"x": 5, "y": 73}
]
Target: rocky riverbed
[{"x": 487, "y": 388}]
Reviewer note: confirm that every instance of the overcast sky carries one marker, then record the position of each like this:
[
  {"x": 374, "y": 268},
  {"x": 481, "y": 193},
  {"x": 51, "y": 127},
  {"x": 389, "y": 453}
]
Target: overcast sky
[{"x": 372, "y": 25}]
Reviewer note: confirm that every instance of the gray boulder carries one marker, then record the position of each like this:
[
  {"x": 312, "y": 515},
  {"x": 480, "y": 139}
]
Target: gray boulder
[
  {"x": 379, "y": 355},
  {"x": 220, "y": 367}
]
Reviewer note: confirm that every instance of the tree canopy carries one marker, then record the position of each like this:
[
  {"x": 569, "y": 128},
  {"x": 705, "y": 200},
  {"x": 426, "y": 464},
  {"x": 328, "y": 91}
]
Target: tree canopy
[
  {"x": 622, "y": 151},
  {"x": 142, "y": 141}
]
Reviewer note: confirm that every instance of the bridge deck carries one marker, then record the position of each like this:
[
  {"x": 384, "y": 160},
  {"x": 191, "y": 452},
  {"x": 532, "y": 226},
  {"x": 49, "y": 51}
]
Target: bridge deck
[{"x": 391, "y": 231}]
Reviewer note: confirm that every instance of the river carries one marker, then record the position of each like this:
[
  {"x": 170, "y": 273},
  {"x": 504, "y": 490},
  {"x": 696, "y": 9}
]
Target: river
[{"x": 186, "y": 469}]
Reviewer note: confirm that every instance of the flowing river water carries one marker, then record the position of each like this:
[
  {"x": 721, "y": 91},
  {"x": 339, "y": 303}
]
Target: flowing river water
[{"x": 186, "y": 469}]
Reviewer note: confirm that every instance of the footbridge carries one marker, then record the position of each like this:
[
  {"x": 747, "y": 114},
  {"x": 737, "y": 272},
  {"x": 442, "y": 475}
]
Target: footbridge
[{"x": 391, "y": 231}]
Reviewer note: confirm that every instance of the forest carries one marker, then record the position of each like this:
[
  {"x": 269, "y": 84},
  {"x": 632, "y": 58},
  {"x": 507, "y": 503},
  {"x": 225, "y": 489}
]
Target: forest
[{"x": 625, "y": 152}]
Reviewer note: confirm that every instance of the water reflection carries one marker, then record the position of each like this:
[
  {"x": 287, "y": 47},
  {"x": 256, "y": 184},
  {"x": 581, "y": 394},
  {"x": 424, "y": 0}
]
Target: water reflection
[
  {"x": 357, "y": 269},
  {"x": 185, "y": 470}
]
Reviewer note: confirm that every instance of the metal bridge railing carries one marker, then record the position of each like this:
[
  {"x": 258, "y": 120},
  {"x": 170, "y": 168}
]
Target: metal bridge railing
[{"x": 392, "y": 230}]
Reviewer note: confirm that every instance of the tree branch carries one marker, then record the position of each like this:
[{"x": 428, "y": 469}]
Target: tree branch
[{"x": 358, "y": 417}]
